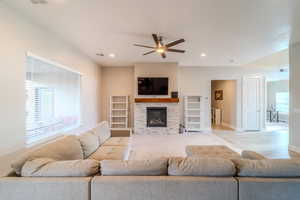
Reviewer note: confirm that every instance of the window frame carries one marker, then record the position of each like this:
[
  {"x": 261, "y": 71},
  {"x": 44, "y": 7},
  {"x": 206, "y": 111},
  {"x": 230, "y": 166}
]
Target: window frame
[
  {"x": 58, "y": 133},
  {"x": 276, "y": 104}
]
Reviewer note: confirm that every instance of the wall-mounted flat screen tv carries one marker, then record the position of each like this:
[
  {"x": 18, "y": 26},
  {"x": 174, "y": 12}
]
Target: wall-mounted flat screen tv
[{"x": 153, "y": 86}]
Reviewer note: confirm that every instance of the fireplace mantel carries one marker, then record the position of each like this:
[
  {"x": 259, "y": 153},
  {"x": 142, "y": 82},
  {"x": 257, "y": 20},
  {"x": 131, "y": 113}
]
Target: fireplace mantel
[{"x": 156, "y": 100}]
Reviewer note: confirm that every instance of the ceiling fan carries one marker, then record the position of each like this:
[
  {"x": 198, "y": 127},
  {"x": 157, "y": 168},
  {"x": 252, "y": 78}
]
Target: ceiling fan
[{"x": 160, "y": 47}]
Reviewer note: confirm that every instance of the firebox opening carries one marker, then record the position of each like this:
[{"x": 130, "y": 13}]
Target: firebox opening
[{"x": 156, "y": 117}]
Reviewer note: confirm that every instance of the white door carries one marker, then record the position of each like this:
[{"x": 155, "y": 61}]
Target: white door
[{"x": 252, "y": 103}]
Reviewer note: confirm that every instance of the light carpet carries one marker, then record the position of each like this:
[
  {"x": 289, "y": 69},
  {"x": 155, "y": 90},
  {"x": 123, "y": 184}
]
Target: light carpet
[{"x": 155, "y": 146}]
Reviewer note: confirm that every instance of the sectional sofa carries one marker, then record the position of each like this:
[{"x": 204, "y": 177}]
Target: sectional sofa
[{"x": 94, "y": 166}]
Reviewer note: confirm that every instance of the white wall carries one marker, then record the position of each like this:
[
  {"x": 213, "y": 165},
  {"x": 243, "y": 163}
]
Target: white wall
[
  {"x": 123, "y": 81},
  {"x": 117, "y": 81},
  {"x": 294, "y": 97},
  {"x": 197, "y": 81},
  {"x": 19, "y": 35},
  {"x": 229, "y": 103},
  {"x": 274, "y": 87},
  {"x": 169, "y": 70},
  {"x": 186, "y": 80}
]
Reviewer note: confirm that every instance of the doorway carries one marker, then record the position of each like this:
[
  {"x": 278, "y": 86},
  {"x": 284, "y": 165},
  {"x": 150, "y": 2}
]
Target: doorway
[
  {"x": 224, "y": 105},
  {"x": 277, "y": 114}
]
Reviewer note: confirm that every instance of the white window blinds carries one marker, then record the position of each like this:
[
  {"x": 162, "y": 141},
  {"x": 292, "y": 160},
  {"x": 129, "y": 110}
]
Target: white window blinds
[{"x": 52, "y": 99}]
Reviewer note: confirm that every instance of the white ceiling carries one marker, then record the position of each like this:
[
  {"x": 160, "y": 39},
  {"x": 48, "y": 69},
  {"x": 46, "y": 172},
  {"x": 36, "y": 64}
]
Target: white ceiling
[{"x": 242, "y": 30}]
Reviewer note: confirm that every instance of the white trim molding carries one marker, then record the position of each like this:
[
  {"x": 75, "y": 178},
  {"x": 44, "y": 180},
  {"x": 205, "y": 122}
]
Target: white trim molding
[
  {"x": 294, "y": 148},
  {"x": 296, "y": 110},
  {"x": 57, "y": 64},
  {"x": 229, "y": 125}
]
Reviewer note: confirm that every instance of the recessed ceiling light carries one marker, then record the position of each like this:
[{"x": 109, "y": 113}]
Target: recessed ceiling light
[
  {"x": 111, "y": 55},
  {"x": 39, "y": 1},
  {"x": 99, "y": 54},
  {"x": 48, "y": 1},
  {"x": 203, "y": 55}
]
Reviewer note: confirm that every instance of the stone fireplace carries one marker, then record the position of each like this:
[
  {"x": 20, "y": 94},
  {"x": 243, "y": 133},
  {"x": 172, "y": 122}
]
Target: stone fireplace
[
  {"x": 159, "y": 118},
  {"x": 156, "y": 116}
]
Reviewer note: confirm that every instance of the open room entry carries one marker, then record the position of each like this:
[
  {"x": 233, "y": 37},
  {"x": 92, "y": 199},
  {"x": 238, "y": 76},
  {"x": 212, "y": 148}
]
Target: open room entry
[
  {"x": 277, "y": 102},
  {"x": 224, "y": 104}
]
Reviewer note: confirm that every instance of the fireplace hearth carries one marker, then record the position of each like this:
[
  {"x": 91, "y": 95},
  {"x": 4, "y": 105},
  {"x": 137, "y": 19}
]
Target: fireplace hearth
[{"x": 156, "y": 116}]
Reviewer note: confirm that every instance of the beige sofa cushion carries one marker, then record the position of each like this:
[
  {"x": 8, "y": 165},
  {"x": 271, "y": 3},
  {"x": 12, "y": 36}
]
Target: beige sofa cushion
[
  {"x": 192, "y": 166},
  {"x": 268, "y": 167},
  {"x": 89, "y": 143},
  {"x": 211, "y": 151},
  {"x": 117, "y": 141},
  {"x": 44, "y": 167},
  {"x": 156, "y": 167},
  {"x": 252, "y": 155},
  {"x": 66, "y": 148},
  {"x": 110, "y": 153},
  {"x": 102, "y": 130}
]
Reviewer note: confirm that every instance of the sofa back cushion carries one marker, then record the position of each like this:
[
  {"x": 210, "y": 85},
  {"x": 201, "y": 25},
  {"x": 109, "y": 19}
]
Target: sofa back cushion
[
  {"x": 252, "y": 155},
  {"x": 102, "y": 130},
  {"x": 89, "y": 143},
  {"x": 268, "y": 167},
  {"x": 47, "y": 167},
  {"x": 66, "y": 148},
  {"x": 193, "y": 166},
  {"x": 155, "y": 167}
]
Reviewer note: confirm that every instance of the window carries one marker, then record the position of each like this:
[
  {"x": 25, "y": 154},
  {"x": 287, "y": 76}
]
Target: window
[
  {"x": 282, "y": 102},
  {"x": 52, "y": 99}
]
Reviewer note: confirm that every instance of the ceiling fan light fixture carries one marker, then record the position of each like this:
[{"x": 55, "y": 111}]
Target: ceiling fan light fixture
[
  {"x": 160, "y": 47},
  {"x": 160, "y": 50},
  {"x": 203, "y": 55}
]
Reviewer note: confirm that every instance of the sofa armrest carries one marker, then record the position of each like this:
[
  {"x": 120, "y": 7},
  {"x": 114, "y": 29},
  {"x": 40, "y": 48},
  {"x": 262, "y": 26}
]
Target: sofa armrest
[
  {"x": 252, "y": 155},
  {"x": 11, "y": 173},
  {"x": 45, "y": 188}
]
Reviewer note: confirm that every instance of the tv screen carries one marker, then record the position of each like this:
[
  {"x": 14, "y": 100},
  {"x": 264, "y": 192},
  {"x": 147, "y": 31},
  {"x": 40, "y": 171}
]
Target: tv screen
[{"x": 153, "y": 86}]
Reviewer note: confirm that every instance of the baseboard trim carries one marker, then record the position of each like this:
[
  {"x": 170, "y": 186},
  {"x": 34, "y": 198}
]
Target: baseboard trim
[
  {"x": 294, "y": 148},
  {"x": 229, "y": 125}
]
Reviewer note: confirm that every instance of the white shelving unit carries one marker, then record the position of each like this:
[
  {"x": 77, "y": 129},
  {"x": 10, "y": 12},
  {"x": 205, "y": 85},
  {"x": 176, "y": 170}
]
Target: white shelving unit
[
  {"x": 193, "y": 113},
  {"x": 119, "y": 113}
]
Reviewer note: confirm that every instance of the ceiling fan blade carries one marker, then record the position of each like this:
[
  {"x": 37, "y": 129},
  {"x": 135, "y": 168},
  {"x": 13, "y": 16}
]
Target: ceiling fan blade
[
  {"x": 156, "y": 40},
  {"x": 139, "y": 45},
  {"x": 176, "y": 50},
  {"x": 163, "y": 55},
  {"x": 175, "y": 43},
  {"x": 148, "y": 52}
]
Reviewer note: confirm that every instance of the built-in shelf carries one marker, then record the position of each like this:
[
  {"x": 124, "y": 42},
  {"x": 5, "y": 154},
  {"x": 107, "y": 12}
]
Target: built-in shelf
[
  {"x": 193, "y": 113},
  {"x": 193, "y": 109},
  {"x": 156, "y": 100},
  {"x": 123, "y": 123},
  {"x": 119, "y": 112}
]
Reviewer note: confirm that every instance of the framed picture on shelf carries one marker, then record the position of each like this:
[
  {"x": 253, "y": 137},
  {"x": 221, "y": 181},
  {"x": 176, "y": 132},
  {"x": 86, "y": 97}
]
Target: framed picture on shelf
[{"x": 219, "y": 95}]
